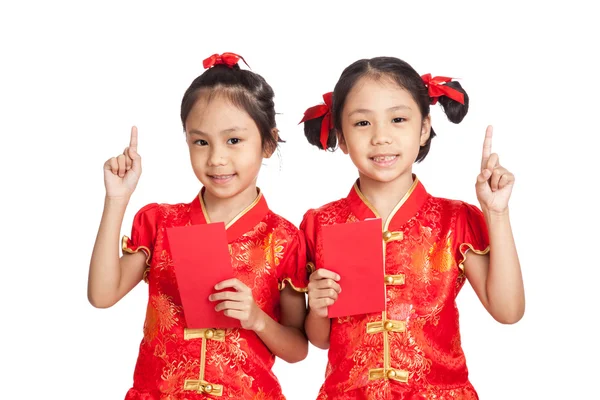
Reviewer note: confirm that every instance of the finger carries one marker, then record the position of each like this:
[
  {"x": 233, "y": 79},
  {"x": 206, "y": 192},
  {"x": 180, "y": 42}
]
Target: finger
[
  {"x": 482, "y": 178},
  {"x": 231, "y": 305},
  {"x": 236, "y": 314},
  {"x": 493, "y": 162},
  {"x": 495, "y": 179},
  {"x": 128, "y": 160},
  {"x": 114, "y": 165},
  {"x": 227, "y": 295},
  {"x": 507, "y": 179},
  {"x": 323, "y": 273},
  {"x": 487, "y": 146},
  {"x": 324, "y": 284},
  {"x": 232, "y": 283},
  {"x": 133, "y": 141},
  {"x": 122, "y": 166},
  {"x": 321, "y": 303},
  {"x": 324, "y": 294}
]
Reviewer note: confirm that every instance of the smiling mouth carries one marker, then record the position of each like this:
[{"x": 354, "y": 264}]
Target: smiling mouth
[
  {"x": 221, "y": 178},
  {"x": 385, "y": 158}
]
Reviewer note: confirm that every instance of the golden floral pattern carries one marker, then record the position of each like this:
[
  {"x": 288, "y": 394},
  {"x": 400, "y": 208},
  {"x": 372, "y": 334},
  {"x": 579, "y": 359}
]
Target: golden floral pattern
[
  {"x": 268, "y": 250},
  {"x": 428, "y": 255}
]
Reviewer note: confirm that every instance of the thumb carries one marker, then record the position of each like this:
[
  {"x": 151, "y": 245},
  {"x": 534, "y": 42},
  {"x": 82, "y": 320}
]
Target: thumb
[
  {"x": 482, "y": 179},
  {"x": 136, "y": 159}
]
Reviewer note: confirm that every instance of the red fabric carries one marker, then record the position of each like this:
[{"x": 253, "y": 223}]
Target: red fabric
[
  {"x": 430, "y": 348},
  {"x": 322, "y": 110},
  {"x": 437, "y": 89},
  {"x": 229, "y": 59},
  {"x": 267, "y": 250}
]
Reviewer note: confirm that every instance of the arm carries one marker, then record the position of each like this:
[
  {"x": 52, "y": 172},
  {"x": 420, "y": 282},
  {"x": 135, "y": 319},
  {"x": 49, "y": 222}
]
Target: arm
[
  {"x": 497, "y": 278},
  {"x": 110, "y": 278}
]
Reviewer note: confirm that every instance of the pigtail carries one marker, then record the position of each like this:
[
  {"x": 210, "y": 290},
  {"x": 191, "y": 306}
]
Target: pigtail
[
  {"x": 318, "y": 127},
  {"x": 454, "y": 110}
]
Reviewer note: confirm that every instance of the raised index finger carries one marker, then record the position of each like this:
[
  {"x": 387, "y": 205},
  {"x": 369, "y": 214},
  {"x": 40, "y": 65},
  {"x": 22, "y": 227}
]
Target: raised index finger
[
  {"x": 133, "y": 141},
  {"x": 487, "y": 147}
]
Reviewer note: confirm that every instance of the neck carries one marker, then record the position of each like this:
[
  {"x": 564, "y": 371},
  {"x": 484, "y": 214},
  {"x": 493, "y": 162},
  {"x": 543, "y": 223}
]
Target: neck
[
  {"x": 384, "y": 196},
  {"x": 226, "y": 209}
]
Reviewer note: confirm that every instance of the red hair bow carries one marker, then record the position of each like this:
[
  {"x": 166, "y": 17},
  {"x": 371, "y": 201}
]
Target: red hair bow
[
  {"x": 229, "y": 59},
  {"x": 436, "y": 89},
  {"x": 319, "y": 111}
]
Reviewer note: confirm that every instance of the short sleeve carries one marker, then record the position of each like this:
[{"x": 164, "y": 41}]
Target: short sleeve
[
  {"x": 292, "y": 269},
  {"x": 471, "y": 233},
  {"x": 309, "y": 229},
  {"x": 143, "y": 234}
]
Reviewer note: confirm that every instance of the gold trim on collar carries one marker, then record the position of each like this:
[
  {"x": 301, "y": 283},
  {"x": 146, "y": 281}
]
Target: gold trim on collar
[
  {"x": 395, "y": 209},
  {"x": 237, "y": 217}
]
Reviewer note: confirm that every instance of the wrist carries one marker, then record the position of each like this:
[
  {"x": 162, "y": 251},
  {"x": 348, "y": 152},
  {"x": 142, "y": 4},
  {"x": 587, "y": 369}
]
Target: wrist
[
  {"x": 494, "y": 215},
  {"x": 261, "y": 322}
]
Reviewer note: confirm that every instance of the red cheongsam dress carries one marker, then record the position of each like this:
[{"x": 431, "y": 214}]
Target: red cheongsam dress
[
  {"x": 412, "y": 350},
  {"x": 267, "y": 253}
]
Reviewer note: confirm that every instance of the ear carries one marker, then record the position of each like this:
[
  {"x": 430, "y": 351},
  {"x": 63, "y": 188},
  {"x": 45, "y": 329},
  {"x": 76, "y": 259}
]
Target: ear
[
  {"x": 425, "y": 130},
  {"x": 342, "y": 142},
  {"x": 270, "y": 149}
]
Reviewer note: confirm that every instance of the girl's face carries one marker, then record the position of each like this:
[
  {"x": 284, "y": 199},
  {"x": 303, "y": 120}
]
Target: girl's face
[
  {"x": 225, "y": 147},
  {"x": 382, "y": 129}
]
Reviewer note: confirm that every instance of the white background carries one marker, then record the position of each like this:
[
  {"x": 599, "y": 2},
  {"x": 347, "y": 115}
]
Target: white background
[{"x": 74, "y": 77}]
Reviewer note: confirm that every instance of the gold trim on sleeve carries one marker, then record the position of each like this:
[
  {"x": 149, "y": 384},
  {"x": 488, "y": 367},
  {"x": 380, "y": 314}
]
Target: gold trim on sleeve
[
  {"x": 310, "y": 267},
  {"x": 146, "y": 251},
  {"x": 286, "y": 281},
  {"x": 126, "y": 249},
  {"x": 464, "y": 253}
]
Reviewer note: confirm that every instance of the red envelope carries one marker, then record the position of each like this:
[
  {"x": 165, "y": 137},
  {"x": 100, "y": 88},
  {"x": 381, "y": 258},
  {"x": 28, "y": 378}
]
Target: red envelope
[
  {"x": 201, "y": 260},
  {"x": 355, "y": 252}
]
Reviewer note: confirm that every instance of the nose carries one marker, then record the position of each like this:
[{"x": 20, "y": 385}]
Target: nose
[
  {"x": 217, "y": 156},
  {"x": 381, "y": 135}
]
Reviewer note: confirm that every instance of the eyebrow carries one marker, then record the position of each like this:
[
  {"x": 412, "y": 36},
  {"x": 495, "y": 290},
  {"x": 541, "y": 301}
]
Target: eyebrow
[
  {"x": 367, "y": 111},
  {"x": 228, "y": 130}
]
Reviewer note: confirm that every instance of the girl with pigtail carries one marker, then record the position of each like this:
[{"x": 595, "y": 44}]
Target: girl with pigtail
[{"x": 378, "y": 114}]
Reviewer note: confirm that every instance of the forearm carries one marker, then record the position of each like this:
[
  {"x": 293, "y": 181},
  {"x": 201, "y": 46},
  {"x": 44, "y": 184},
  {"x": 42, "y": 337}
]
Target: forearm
[
  {"x": 105, "y": 271},
  {"x": 318, "y": 330},
  {"x": 504, "y": 284},
  {"x": 286, "y": 342}
]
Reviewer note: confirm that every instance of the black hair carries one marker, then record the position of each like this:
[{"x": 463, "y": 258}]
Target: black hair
[
  {"x": 245, "y": 89},
  {"x": 402, "y": 74}
]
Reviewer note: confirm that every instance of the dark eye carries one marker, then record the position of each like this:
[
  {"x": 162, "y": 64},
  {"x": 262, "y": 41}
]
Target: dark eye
[
  {"x": 399, "y": 119},
  {"x": 233, "y": 141},
  {"x": 362, "y": 123},
  {"x": 201, "y": 142}
]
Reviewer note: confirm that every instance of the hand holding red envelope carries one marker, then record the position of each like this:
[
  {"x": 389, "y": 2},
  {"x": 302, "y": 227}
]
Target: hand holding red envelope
[
  {"x": 201, "y": 260},
  {"x": 355, "y": 252}
]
